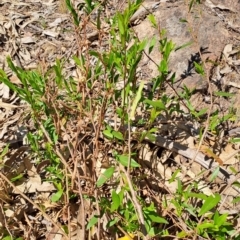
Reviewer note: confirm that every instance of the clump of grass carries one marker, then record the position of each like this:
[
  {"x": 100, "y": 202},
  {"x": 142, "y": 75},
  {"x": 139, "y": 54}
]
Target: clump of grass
[{"x": 73, "y": 132}]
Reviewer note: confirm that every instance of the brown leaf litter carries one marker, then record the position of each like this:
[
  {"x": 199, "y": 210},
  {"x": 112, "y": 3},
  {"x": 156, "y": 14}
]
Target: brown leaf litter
[{"x": 35, "y": 34}]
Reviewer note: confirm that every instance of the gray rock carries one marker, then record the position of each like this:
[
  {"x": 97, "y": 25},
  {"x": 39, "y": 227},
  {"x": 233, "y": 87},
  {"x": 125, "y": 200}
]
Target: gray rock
[{"x": 210, "y": 38}]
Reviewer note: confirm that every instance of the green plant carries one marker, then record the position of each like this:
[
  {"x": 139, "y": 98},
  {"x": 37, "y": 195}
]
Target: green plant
[
  {"x": 214, "y": 225},
  {"x": 78, "y": 107},
  {"x": 192, "y": 2},
  {"x": 40, "y": 93}
]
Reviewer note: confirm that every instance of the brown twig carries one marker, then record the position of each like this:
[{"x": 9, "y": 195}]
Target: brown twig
[
  {"x": 136, "y": 203},
  {"x": 34, "y": 205},
  {"x": 81, "y": 215},
  {"x": 55, "y": 150}
]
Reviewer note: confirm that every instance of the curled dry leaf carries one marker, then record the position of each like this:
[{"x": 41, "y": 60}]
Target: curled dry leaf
[{"x": 35, "y": 184}]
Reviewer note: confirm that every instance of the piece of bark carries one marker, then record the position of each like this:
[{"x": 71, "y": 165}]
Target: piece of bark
[{"x": 200, "y": 158}]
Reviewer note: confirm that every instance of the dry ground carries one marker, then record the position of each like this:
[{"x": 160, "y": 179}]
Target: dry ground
[{"x": 36, "y": 33}]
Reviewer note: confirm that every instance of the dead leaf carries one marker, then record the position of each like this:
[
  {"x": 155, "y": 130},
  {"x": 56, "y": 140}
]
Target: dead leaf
[
  {"x": 14, "y": 79},
  {"x": 27, "y": 40},
  {"x": 4, "y": 91},
  {"x": 57, "y": 21},
  {"x": 2, "y": 217},
  {"x": 34, "y": 184},
  {"x": 229, "y": 155},
  {"x": 51, "y": 33}
]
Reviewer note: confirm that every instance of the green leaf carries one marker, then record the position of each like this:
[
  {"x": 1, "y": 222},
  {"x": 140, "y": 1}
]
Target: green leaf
[
  {"x": 6, "y": 81},
  {"x": 126, "y": 214},
  {"x": 184, "y": 45},
  {"x": 73, "y": 12},
  {"x": 56, "y": 196},
  {"x": 152, "y": 19},
  {"x": 172, "y": 179},
  {"x": 156, "y": 83},
  {"x": 209, "y": 204},
  {"x": 112, "y": 222},
  {"x": 214, "y": 174},
  {"x": 169, "y": 47},
  {"x": 233, "y": 170},
  {"x": 55, "y": 137},
  {"x": 7, "y": 238},
  {"x": 153, "y": 115},
  {"x": 77, "y": 60},
  {"x": 201, "y": 112},
  {"x": 92, "y": 222},
  {"x": 89, "y": 6},
  {"x": 223, "y": 94},
  {"x": 155, "y": 217},
  {"x": 205, "y": 225},
  {"x": 117, "y": 135},
  {"x": 190, "y": 5},
  {"x": 236, "y": 200},
  {"x": 183, "y": 20},
  {"x": 182, "y": 234},
  {"x": 58, "y": 71},
  {"x": 150, "y": 208},
  {"x": 235, "y": 140},
  {"x": 95, "y": 54},
  {"x": 121, "y": 24},
  {"x": 199, "y": 68},
  {"x": 108, "y": 133},
  {"x": 190, "y": 209},
  {"x": 123, "y": 159},
  {"x": 4, "y": 152},
  {"x": 151, "y": 45},
  {"x": 150, "y": 136},
  {"x": 99, "y": 20},
  {"x": 197, "y": 195},
  {"x": 121, "y": 195},
  {"x": 17, "y": 177},
  {"x": 220, "y": 220},
  {"x": 158, "y": 104},
  {"x": 180, "y": 186},
  {"x": 65, "y": 228},
  {"x": 136, "y": 101},
  {"x": 105, "y": 176},
  {"x": 236, "y": 184},
  {"x": 227, "y": 117},
  {"x": 115, "y": 201},
  {"x": 163, "y": 68}
]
